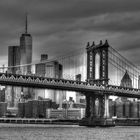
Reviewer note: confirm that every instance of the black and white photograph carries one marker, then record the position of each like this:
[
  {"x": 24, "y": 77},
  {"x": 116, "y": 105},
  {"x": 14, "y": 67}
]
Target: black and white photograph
[{"x": 69, "y": 69}]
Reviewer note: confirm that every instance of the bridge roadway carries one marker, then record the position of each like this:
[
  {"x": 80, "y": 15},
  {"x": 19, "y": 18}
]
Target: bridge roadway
[{"x": 64, "y": 84}]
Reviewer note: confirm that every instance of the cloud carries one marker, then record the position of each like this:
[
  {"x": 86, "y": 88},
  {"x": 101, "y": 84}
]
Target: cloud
[{"x": 62, "y": 26}]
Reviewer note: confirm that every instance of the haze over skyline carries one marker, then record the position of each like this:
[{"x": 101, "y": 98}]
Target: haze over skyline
[{"x": 58, "y": 27}]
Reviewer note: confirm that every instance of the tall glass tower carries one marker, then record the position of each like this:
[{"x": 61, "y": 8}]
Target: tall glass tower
[{"x": 25, "y": 50}]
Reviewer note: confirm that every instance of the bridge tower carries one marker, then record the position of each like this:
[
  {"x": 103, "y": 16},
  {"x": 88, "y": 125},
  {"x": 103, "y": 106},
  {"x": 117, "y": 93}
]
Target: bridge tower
[
  {"x": 97, "y": 63},
  {"x": 97, "y": 105}
]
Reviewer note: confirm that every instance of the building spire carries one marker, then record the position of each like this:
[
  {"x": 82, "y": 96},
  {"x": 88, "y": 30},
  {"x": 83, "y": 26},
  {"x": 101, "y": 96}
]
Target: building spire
[{"x": 26, "y": 23}]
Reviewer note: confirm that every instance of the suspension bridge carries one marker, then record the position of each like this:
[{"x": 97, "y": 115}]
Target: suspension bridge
[{"x": 103, "y": 72}]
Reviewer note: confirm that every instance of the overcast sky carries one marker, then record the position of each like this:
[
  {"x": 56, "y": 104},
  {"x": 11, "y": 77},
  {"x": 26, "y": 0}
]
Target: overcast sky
[{"x": 58, "y": 26}]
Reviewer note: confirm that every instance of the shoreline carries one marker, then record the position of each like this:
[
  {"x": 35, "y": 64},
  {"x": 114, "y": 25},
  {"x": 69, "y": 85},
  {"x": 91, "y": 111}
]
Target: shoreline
[
  {"x": 11, "y": 125},
  {"x": 59, "y": 122}
]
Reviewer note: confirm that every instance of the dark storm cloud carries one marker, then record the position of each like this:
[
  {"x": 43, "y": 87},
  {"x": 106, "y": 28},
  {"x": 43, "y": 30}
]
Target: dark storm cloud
[
  {"x": 115, "y": 22},
  {"x": 66, "y": 25},
  {"x": 82, "y": 8}
]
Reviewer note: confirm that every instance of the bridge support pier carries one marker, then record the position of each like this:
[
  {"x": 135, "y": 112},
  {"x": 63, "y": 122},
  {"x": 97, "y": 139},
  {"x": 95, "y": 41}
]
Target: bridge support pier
[
  {"x": 106, "y": 106},
  {"x": 97, "y": 111}
]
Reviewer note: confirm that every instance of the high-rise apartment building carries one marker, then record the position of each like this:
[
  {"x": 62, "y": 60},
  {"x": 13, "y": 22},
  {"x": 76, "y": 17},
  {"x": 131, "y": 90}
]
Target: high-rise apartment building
[
  {"x": 49, "y": 69},
  {"x": 52, "y": 69}
]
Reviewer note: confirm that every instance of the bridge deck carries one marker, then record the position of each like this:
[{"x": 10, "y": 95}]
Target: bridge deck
[{"x": 64, "y": 84}]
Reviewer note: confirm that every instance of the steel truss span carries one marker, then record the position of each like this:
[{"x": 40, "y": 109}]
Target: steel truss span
[{"x": 63, "y": 84}]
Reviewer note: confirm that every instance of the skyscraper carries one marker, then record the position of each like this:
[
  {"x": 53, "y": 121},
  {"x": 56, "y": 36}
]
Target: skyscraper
[
  {"x": 13, "y": 58},
  {"x": 25, "y": 50},
  {"x": 19, "y": 55},
  {"x": 26, "y": 57}
]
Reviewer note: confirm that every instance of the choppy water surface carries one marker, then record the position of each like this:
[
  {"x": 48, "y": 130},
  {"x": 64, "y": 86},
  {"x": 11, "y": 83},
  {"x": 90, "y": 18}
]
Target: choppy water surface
[{"x": 56, "y": 132}]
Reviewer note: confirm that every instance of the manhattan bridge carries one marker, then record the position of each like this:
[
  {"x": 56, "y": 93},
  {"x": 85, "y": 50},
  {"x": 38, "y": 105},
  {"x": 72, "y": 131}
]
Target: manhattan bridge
[{"x": 97, "y": 72}]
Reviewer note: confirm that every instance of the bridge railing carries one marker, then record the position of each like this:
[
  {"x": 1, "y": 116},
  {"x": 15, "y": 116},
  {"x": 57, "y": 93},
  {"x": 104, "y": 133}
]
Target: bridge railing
[
  {"x": 65, "y": 81},
  {"x": 34, "y": 76},
  {"x": 121, "y": 87}
]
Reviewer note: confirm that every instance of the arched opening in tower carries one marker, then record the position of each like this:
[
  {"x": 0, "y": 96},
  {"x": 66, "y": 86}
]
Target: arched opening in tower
[{"x": 97, "y": 66}]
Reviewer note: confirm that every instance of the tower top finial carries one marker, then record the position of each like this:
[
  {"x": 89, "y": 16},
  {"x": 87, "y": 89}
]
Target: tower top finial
[
  {"x": 101, "y": 42},
  {"x": 26, "y": 23},
  {"x": 88, "y": 44},
  {"x": 106, "y": 42}
]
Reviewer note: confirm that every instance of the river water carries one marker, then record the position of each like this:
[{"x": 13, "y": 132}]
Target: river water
[{"x": 66, "y": 132}]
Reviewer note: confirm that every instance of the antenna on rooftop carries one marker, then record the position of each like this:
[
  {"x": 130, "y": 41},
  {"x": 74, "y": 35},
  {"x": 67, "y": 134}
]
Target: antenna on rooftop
[{"x": 26, "y": 23}]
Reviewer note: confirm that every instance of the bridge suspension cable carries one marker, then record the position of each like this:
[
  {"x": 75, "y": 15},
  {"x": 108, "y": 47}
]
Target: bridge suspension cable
[
  {"x": 120, "y": 64},
  {"x": 70, "y": 54},
  {"x": 68, "y": 61}
]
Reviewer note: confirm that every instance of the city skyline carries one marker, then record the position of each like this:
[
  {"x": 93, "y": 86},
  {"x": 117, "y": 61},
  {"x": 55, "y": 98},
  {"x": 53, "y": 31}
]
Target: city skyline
[{"x": 57, "y": 26}]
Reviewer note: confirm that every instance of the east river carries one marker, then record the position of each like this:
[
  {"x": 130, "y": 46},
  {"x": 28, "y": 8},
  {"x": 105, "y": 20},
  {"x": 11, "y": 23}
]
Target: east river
[{"x": 66, "y": 132}]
